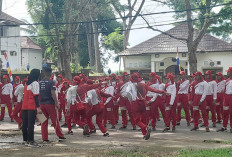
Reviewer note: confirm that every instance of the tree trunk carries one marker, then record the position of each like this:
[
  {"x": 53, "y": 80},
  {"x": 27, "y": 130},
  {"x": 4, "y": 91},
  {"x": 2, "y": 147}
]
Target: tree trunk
[
  {"x": 89, "y": 31},
  {"x": 97, "y": 52},
  {"x": 68, "y": 41},
  {"x": 126, "y": 37},
  {"x": 75, "y": 50},
  {"x": 192, "y": 61}
]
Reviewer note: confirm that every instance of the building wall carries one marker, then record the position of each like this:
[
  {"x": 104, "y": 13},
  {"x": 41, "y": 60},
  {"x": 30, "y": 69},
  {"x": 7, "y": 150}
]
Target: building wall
[
  {"x": 11, "y": 44},
  {"x": 33, "y": 57},
  {"x": 204, "y": 59},
  {"x": 222, "y": 61},
  {"x": 167, "y": 60},
  {"x": 137, "y": 63}
]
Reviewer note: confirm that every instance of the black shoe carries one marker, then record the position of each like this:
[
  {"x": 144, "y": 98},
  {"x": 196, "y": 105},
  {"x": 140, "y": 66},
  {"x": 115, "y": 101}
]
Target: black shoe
[
  {"x": 203, "y": 125},
  {"x": 33, "y": 144},
  {"x": 158, "y": 119},
  {"x": 113, "y": 127},
  {"x": 39, "y": 124},
  {"x": 1, "y": 119},
  {"x": 178, "y": 123},
  {"x": 12, "y": 120},
  {"x": 52, "y": 125},
  {"x": 123, "y": 127},
  {"x": 134, "y": 128},
  {"x": 219, "y": 121},
  {"x": 166, "y": 129},
  {"x": 230, "y": 130},
  {"x": 69, "y": 133},
  {"x": 62, "y": 139},
  {"x": 64, "y": 125},
  {"x": 93, "y": 131},
  {"x": 85, "y": 129},
  {"x": 173, "y": 129},
  {"x": 188, "y": 124},
  {"x": 46, "y": 142},
  {"x": 147, "y": 136},
  {"x": 207, "y": 129},
  {"x": 106, "y": 134},
  {"x": 222, "y": 129},
  {"x": 194, "y": 129}
]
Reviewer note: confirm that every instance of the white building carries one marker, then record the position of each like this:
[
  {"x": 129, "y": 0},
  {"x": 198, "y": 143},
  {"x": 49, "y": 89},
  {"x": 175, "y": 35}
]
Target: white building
[
  {"x": 10, "y": 42},
  {"x": 158, "y": 54},
  {"x": 31, "y": 54}
]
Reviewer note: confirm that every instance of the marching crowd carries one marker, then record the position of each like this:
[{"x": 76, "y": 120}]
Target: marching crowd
[{"x": 139, "y": 101}]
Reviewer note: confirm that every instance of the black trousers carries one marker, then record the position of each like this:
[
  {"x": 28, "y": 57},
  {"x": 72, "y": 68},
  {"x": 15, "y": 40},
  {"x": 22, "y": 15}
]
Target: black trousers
[{"x": 28, "y": 117}]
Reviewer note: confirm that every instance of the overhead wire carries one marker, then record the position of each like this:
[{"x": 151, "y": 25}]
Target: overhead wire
[
  {"x": 74, "y": 34},
  {"x": 118, "y": 18}
]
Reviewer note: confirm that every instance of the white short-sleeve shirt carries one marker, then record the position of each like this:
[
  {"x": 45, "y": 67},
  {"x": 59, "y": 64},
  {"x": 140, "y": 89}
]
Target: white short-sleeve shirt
[{"x": 34, "y": 87}]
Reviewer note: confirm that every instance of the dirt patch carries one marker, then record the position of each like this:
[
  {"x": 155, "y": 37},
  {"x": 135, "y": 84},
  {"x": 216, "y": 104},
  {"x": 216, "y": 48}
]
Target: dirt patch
[{"x": 119, "y": 143}]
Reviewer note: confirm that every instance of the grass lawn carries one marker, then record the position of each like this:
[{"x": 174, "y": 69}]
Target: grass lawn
[{"x": 225, "y": 152}]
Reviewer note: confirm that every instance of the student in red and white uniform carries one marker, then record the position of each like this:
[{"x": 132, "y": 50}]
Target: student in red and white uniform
[
  {"x": 192, "y": 84},
  {"x": 227, "y": 106},
  {"x": 16, "y": 84},
  {"x": 83, "y": 78},
  {"x": 200, "y": 92},
  {"x": 6, "y": 98},
  {"x": 61, "y": 98},
  {"x": 63, "y": 92},
  {"x": 81, "y": 97},
  {"x": 75, "y": 108},
  {"x": 211, "y": 96},
  {"x": 221, "y": 83},
  {"x": 109, "y": 104},
  {"x": 94, "y": 99},
  {"x": 49, "y": 105},
  {"x": 30, "y": 107},
  {"x": 115, "y": 81},
  {"x": 124, "y": 103},
  {"x": 182, "y": 92},
  {"x": 160, "y": 101},
  {"x": 151, "y": 97},
  {"x": 137, "y": 92},
  {"x": 18, "y": 93},
  {"x": 170, "y": 103}
]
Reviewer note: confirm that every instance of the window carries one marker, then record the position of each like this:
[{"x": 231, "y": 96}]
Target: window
[
  {"x": 183, "y": 54},
  {"x": 2, "y": 31},
  {"x": 157, "y": 55},
  {"x": 135, "y": 64},
  {"x": 218, "y": 62},
  {"x": 3, "y": 52},
  {"x": 13, "y": 53},
  {"x": 186, "y": 63},
  {"x": 161, "y": 63}
]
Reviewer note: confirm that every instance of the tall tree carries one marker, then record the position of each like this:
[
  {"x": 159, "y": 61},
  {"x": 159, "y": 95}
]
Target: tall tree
[
  {"x": 207, "y": 17},
  {"x": 128, "y": 14}
]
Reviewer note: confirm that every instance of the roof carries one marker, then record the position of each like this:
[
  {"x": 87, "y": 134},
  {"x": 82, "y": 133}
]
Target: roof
[
  {"x": 27, "y": 43},
  {"x": 7, "y": 19},
  {"x": 165, "y": 44}
]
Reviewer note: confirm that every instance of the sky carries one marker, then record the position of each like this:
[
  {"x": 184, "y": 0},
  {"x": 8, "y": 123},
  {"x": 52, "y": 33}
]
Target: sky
[{"x": 18, "y": 9}]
